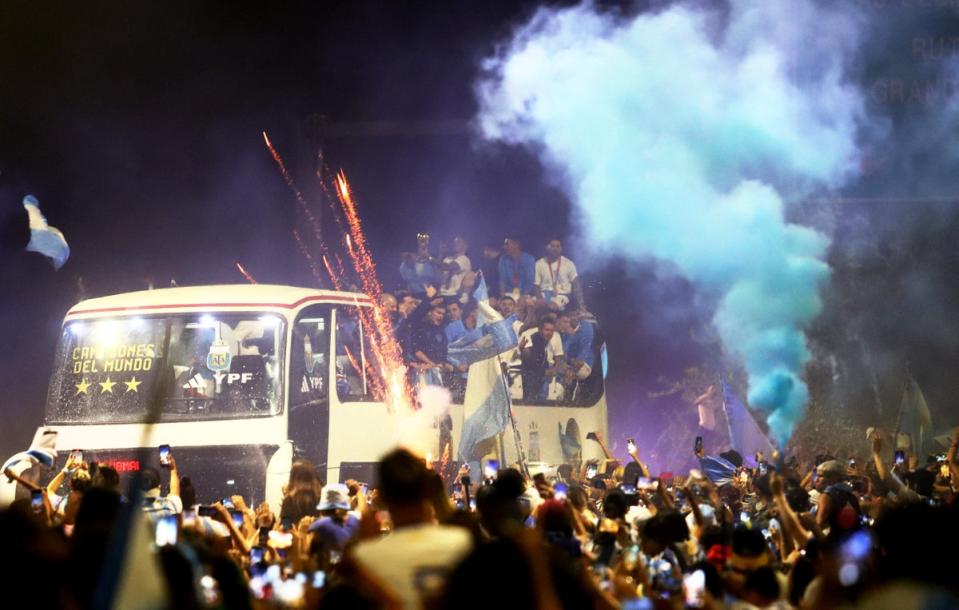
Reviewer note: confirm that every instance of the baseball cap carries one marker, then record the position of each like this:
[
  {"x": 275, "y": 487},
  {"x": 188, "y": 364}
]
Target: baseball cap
[{"x": 334, "y": 495}]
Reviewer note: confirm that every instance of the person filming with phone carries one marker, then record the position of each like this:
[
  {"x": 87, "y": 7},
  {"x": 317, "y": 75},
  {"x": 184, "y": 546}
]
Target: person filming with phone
[{"x": 155, "y": 504}]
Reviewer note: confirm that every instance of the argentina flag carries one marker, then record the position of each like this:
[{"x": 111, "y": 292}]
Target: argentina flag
[
  {"x": 493, "y": 335},
  {"x": 42, "y": 452},
  {"x": 44, "y": 239},
  {"x": 486, "y": 401}
]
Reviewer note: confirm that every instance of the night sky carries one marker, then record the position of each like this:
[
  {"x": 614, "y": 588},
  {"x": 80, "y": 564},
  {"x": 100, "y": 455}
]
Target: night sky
[{"x": 137, "y": 125}]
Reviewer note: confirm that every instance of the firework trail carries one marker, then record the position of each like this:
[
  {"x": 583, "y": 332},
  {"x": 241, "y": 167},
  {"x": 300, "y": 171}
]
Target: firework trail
[
  {"x": 314, "y": 223},
  {"x": 333, "y": 276},
  {"x": 339, "y": 264},
  {"x": 245, "y": 273},
  {"x": 309, "y": 257}
]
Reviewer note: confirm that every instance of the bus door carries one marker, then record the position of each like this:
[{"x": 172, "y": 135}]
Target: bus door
[
  {"x": 362, "y": 426},
  {"x": 309, "y": 384}
]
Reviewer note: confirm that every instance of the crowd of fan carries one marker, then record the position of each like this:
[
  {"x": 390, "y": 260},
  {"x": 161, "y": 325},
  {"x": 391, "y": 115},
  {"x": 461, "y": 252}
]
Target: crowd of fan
[
  {"x": 559, "y": 341},
  {"x": 834, "y": 533}
]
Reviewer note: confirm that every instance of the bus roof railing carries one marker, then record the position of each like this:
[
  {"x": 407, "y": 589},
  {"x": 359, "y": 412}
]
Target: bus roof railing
[{"x": 214, "y": 297}]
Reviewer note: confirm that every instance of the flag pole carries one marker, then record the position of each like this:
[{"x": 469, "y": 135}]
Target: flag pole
[
  {"x": 524, "y": 468},
  {"x": 729, "y": 424},
  {"x": 902, "y": 407}
]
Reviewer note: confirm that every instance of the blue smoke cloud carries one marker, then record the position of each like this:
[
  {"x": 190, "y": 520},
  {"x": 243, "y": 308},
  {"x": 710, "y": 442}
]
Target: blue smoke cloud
[{"x": 679, "y": 135}]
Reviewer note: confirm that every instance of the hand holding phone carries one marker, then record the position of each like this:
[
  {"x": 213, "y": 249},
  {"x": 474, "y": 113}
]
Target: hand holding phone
[
  {"x": 631, "y": 446},
  {"x": 280, "y": 540},
  {"x": 698, "y": 445},
  {"x": 189, "y": 518},
  {"x": 166, "y": 530},
  {"x": 319, "y": 579},
  {"x": 36, "y": 501},
  {"x": 694, "y": 585},
  {"x": 491, "y": 468},
  {"x": 256, "y": 554},
  {"x": 165, "y": 456},
  {"x": 75, "y": 459},
  {"x": 559, "y": 491},
  {"x": 206, "y": 511}
]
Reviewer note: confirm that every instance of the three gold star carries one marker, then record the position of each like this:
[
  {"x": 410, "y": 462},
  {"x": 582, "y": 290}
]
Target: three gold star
[{"x": 106, "y": 387}]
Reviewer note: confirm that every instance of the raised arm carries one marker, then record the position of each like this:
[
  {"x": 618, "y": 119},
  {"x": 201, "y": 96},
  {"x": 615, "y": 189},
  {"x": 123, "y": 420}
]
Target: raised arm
[
  {"x": 792, "y": 528},
  {"x": 238, "y": 538},
  {"x": 694, "y": 505},
  {"x": 174, "y": 477},
  {"x": 665, "y": 497},
  {"x": 602, "y": 445},
  {"x": 71, "y": 465},
  {"x": 881, "y": 469},
  {"x": 951, "y": 457},
  {"x": 634, "y": 453}
]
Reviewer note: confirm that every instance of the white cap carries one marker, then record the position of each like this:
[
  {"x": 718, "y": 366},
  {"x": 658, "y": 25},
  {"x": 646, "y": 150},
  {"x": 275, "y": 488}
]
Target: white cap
[{"x": 334, "y": 495}]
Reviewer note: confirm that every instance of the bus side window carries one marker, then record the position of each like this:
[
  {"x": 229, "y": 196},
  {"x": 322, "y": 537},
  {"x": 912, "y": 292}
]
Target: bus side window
[
  {"x": 350, "y": 358},
  {"x": 309, "y": 359}
]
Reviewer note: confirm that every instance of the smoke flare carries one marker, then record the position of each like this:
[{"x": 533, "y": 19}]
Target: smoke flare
[{"x": 677, "y": 135}]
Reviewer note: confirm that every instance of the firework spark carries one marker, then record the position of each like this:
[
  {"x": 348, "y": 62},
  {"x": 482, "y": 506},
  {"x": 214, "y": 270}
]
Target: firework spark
[
  {"x": 309, "y": 257},
  {"x": 387, "y": 354},
  {"x": 386, "y": 350}
]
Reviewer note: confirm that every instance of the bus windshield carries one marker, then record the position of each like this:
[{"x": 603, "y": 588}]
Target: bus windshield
[{"x": 193, "y": 366}]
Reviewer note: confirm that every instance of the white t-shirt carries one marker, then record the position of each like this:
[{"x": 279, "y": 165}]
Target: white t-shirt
[
  {"x": 707, "y": 412},
  {"x": 554, "y": 348},
  {"x": 452, "y": 281},
  {"x": 416, "y": 560},
  {"x": 556, "y": 277}
]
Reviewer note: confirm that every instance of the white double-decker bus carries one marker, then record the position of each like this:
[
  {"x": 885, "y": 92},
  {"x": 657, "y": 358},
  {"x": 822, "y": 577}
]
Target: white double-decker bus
[{"x": 243, "y": 379}]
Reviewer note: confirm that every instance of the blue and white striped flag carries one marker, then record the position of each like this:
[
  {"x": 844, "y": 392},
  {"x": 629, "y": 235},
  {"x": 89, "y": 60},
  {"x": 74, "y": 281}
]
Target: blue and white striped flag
[
  {"x": 42, "y": 451},
  {"x": 486, "y": 403},
  {"x": 495, "y": 335},
  {"x": 717, "y": 469},
  {"x": 44, "y": 239},
  {"x": 745, "y": 435}
]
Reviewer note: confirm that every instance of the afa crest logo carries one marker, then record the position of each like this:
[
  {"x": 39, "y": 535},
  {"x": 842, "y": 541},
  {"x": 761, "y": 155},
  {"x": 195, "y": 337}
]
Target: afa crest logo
[{"x": 219, "y": 357}]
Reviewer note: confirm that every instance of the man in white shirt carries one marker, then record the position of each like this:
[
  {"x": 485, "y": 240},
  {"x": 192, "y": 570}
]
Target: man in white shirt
[
  {"x": 416, "y": 558},
  {"x": 455, "y": 267},
  {"x": 556, "y": 279},
  {"x": 541, "y": 354}
]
